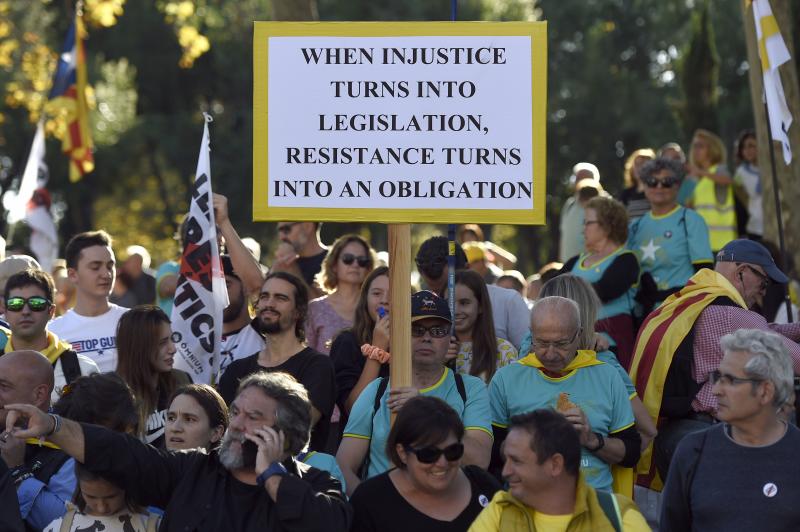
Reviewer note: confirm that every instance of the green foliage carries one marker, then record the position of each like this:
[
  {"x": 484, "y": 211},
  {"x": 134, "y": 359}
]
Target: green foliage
[{"x": 699, "y": 77}]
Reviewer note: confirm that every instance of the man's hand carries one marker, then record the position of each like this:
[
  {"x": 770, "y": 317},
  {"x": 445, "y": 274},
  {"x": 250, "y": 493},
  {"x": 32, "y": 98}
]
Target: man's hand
[
  {"x": 12, "y": 449},
  {"x": 27, "y": 421},
  {"x": 220, "y": 203},
  {"x": 270, "y": 447},
  {"x": 578, "y": 418},
  {"x": 398, "y": 397},
  {"x": 452, "y": 350},
  {"x": 285, "y": 259}
]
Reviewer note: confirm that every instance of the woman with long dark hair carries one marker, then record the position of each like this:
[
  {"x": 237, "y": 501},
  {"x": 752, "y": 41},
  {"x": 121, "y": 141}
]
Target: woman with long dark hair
[
  {"x": 480, "y": 351},
  {"x": 370, "y": 326},
  {"x": 145, "y": 354}
]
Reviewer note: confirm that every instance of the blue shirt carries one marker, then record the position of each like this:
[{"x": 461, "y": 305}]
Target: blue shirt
[
  {"x": 593, "y": 385},
  {"x": 621, "y": 305},
  {"x": 168, "y": 268},
  {"x": 40, "y": 503},
  {"x": 669, "y": 246},
  {"x": 475, "y": 414},
  {"x": 325, "y": 462}
]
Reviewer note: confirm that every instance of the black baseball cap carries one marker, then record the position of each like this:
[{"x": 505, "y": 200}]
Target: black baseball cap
[
  {"x": 751, "y": 252},
  {"x": 426, "y": 304}
]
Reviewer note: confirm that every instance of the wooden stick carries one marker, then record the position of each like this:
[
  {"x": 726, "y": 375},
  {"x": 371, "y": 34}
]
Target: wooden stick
[{"x": 400, "y": 314}]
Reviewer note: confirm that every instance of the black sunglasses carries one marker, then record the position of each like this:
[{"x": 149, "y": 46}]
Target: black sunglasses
[
  {"x": 664, "y": 182},
  {"x": 362, "y": 260},
  {"x": 35, "y": 303},
  {"x": 429, "y": 455},
  {"x": 286, "y": 229}
]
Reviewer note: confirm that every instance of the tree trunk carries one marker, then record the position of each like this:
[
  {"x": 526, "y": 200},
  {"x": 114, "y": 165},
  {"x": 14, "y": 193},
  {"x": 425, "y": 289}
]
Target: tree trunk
[
  {"x": 294, "y": 10},
  {"x": 788, "y": 176}
]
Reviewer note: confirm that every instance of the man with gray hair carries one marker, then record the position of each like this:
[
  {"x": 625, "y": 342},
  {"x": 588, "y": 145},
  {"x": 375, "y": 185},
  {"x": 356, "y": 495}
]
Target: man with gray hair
[
  {"x": 590, "y": 393},
  {"x": 252, "y": 483},
  {"x": 740, "y": 474}
]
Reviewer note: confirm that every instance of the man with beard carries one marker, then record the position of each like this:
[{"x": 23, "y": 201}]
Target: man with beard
[
  {"x": 240, "y": 334},
  {"x": 281, "y": 312},
  {"x": 300, "y": 252},
  {"x": 252, "y": 483}
]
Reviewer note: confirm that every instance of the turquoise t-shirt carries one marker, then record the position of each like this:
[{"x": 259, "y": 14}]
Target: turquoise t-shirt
[
  {"x": 475, "y": 414},
  {"x": 623, "y": 304},
  {"x": 597, "y": 389},
  {"x": 325, "y": 462},
  {"x": 668, "y": 246},
  {"x": 611, "y": 359},
  {"x": 168, "y": 268}
]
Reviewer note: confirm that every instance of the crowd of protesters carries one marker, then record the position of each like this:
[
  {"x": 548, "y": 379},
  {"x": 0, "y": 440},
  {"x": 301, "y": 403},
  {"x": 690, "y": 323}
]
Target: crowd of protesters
[{"x": 646, "y": 366}]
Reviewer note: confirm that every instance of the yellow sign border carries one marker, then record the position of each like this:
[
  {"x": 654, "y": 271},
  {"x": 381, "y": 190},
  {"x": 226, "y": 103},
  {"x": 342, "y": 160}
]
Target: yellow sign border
[{"x": 264, "y": 30}]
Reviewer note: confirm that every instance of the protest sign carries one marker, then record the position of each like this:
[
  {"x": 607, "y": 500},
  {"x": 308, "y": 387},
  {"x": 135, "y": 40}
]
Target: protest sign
[{"x": 400, "y": 122}]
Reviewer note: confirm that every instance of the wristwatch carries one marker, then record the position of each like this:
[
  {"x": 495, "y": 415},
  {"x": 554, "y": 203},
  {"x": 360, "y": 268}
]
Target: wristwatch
[
  {"x": 601, "y": 442},
  {"x": 275, "y": 468}
]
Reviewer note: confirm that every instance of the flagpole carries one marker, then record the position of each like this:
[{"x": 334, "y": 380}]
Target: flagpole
[{"x": 778, "y": 212}]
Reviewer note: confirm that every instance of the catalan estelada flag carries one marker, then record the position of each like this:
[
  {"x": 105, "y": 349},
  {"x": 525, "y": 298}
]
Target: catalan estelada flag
[
  {"x": 659, "y": 337},
  {"x": 68, "y": 97}
]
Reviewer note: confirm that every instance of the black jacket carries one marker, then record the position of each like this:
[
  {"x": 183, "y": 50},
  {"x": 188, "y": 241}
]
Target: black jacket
[
  {"x": 196, "y": 491},
  {"x": 10, "y": 519}
]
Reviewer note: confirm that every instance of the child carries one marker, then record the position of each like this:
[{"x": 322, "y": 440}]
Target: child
[{"x": 101, "y": 505}]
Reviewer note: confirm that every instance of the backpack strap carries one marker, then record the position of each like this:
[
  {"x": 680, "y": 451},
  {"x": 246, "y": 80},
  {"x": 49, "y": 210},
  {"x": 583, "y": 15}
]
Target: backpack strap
[
  {"x": 608, "y": 502},
  {"x": 462, "y": 391},
  {"x": 382, "y": 385},
  {"x": 66, "y": 521},
  {"x": 70, "y": 365}
]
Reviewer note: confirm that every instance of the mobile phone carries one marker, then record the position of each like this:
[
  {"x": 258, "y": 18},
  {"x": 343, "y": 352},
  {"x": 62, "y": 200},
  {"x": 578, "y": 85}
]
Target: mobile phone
[
  {"x": 249, "y": 451},
  {"x": 381, "y": 312}
]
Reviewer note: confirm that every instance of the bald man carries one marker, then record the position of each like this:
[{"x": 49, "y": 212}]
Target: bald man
[{"x": 44, "y": 477}]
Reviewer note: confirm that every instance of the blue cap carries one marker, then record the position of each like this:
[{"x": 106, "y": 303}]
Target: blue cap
[
  {"x": 751, "y": 252},
  {"x": 426, "y": 304}
]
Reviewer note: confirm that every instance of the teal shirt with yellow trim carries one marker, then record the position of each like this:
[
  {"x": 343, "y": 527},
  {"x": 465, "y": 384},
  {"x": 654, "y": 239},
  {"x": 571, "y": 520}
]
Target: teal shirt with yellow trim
[
  {"x": 593, "y": 385},
  {"x": 475, "y": 414}
]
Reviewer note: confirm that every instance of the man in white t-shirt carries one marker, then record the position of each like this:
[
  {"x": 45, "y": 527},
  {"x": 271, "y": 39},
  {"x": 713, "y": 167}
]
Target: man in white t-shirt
[
  {"x": 91, "y": 326},
  {"x": 240, "y": 333}
]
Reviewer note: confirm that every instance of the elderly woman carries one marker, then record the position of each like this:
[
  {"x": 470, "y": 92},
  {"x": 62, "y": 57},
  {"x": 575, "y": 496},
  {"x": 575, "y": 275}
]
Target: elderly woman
[
  {"x": 612, "y": 269},
  {"x": 633, "y": 197},
  {"x": 670, "y": 241},
  {"x": 347, "y": 264},
  {"x": 428, "y": 489},
  {"x": 750, "y": 457},
  {"x": 712, "y": 197}
]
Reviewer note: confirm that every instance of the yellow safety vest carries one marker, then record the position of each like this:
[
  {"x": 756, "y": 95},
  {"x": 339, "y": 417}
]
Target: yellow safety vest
[{"x": 720, "y": 217}]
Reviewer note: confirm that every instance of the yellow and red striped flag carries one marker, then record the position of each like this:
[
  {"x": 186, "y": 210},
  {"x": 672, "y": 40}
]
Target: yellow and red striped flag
[{"x": 68, "y": 97}]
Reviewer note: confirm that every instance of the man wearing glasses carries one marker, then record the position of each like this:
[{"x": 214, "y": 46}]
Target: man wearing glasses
[
  {"x": 301, "y": 252},
  {"x": 29, "y": 306},
  {"x": 740, "y": 474},
  {"x": 363, "y": 446},
  {"x": 590, "y": 393},
  {"x": 679, "y": 345}
]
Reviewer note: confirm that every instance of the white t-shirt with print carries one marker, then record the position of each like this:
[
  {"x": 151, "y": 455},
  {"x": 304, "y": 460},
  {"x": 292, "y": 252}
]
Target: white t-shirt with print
[
  {"x": 119, "y": 522},
  {"x": 94, "y": 337}
]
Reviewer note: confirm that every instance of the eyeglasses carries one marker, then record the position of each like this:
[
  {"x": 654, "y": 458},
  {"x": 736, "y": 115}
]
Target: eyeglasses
[
  {"x": 286, "y": 229},
  {"x": 664, "y": 182},
  {"x": 362, "y": 260},
  {"x": 559, "y": 345},
  {"x": 436, "y": 331},
  {"x": 429, "y": 455},
  {"x": 765, "y": 280},
  {"x": 35, "y": 303},
  {"x": 729, "y": 380}
]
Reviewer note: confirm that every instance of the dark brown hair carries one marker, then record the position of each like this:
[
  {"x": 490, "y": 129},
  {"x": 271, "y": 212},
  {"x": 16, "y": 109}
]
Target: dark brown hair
[
  {"x": 423, "y": 421},
  {"x": 101, "y": 399},
  {"x": 210, "y": 401},
  {"x": 137, "y": 345},
  {"x": 300, "y": 300},
  {"x": 612, "y": 218},
  {"x": 81, "y": 241},
  {"x": 32, "y": 276},
  {"x": 484, "y": 340},
  {"x": 82, "y": 473},
  {"x": 550, "y": 433}
]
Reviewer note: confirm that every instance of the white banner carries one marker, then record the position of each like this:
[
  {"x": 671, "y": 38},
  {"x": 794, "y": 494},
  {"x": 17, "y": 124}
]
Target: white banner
[{"x": 201, "y": 295}]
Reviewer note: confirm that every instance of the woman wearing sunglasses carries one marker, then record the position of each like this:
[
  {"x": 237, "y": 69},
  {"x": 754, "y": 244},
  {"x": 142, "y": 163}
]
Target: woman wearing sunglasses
[
  {"x": 343, "y": 271},
  {"x": 670, "y": 241},
  {"x": 428, "y": 489}
]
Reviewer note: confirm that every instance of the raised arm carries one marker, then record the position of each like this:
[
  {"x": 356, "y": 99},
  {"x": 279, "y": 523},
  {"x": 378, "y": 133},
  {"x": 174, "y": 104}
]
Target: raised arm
[
  {"x": 244, "y": 263},
  {"x": 68, "y": 436}
]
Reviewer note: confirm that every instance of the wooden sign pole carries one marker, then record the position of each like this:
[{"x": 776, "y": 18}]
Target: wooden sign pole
[{"x": 400, "y": 315}]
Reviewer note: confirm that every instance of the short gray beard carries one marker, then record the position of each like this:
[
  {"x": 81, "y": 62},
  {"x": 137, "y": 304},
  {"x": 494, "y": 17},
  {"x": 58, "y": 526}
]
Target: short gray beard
[{"x": 230, "y": 459}]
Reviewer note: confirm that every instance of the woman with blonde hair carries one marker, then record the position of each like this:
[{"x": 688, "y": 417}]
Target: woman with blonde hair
[
  {"x": 346, "y": 266},
  {"x": 633, "y": 196},
  {"x": 712, "y": 197}
]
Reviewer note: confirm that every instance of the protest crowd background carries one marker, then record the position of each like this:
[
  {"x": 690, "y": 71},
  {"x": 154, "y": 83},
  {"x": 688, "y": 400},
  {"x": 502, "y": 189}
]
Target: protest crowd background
[{"x": 600, "y": 372}]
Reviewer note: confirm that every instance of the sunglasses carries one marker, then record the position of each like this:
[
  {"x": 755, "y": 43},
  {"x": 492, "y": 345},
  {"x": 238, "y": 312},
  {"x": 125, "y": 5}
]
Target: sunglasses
[
  {"x": 437, "y": 331},
  {"x": 429, "y": 455},
  {"x": 664, "y": 182},
  {"x": 286, "y": 229},
  {"x": 35, "y": 303},
  {"x": 362, "y": 260},
  {"x": 765, "y": 280}
]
